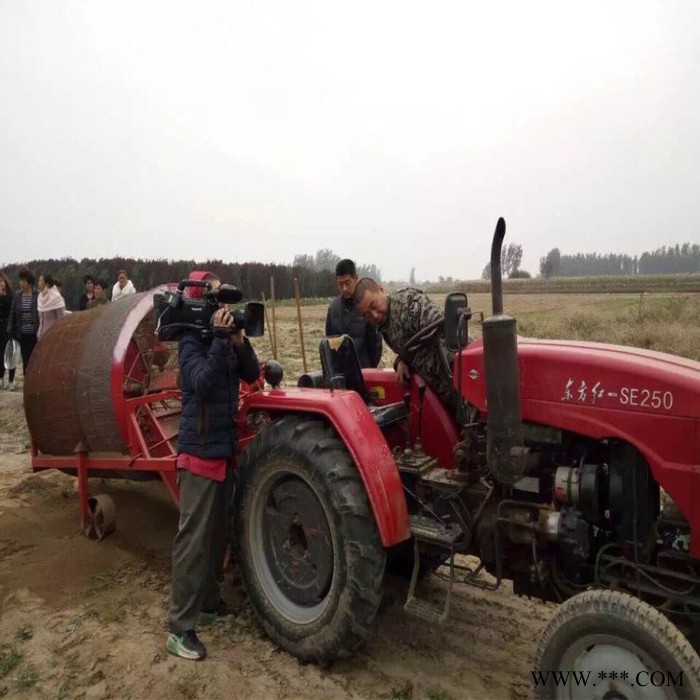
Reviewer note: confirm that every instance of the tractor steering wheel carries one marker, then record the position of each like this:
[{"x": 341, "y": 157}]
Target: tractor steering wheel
[
  {"x": 425, "y": 336},
  {"x": 422, "y": 337}
]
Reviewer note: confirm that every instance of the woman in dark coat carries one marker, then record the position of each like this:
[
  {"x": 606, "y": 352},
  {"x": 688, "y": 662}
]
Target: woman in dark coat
[
  {"x": 23, "y": 324},
  {"x": 5, "y": 308}
]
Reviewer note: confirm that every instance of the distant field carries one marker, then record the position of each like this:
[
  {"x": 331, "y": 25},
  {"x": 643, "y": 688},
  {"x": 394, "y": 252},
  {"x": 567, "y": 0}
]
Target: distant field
[
  {"x": 583, "y": 285},
  {"x": 664, "y": 322}
]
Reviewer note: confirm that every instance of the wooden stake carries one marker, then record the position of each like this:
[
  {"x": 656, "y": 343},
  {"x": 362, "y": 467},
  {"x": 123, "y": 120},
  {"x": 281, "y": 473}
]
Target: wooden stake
[
  {"x": 301, "y": 327},
  {"x": 274, "y": 318},
  {"x": 273, "y": 349}
]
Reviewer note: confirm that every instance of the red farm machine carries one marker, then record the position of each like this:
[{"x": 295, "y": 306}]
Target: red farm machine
[{"x": 570, "y": 468}]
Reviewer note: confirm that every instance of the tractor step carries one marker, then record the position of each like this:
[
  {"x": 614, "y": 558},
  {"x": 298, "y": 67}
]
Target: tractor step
[
  {"x": 433, "y": 532},
  {"x": 421, "y": 608},
  {"x": 424, "y": 610}
]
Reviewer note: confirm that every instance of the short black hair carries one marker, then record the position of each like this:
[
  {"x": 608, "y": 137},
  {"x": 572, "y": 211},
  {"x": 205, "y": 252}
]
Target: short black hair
[
  {"x": 345, "y": 267},
  {"x": 101, "y": 283},
  {"x": 366, "y": 284},
  {"x": 27, "y": 275},
  {"x": 88, "y": 278}
]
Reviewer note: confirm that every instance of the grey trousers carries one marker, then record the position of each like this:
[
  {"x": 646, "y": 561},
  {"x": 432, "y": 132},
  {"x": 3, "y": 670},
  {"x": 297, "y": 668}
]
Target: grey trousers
[{"x": 199, "y": 547}]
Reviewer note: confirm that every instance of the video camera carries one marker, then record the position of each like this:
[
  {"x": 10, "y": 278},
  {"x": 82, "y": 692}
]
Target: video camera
[{"x": 176, "y": 313}]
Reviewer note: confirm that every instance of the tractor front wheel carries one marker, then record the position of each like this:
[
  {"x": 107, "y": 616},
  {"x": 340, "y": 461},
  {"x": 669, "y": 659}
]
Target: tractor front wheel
[
  {"x": 608, "y": 644},
  {"x": 308, "y": 549}
]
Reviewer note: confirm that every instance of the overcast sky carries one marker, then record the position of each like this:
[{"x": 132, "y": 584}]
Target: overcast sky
[{"x": 391, "y": 132}]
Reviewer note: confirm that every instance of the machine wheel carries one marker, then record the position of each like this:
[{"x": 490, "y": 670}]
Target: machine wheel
[
  {"x": 625, "y": 648},
  {"x": 102, "y": 517},
  {"x": 308, "y": 548}
]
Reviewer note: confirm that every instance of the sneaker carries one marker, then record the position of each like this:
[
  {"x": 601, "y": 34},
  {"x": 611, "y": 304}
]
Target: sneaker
[
  {"x": 209, "y": 617},
  {"x": 186, "y": 645},
  {"x": 11, "y": 386},
  {"x": 2, "y": 383}
]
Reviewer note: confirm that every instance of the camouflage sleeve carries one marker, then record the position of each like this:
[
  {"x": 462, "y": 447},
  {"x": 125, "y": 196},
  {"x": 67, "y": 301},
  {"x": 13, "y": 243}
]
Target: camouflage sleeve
[
  {"x": 421, "y": 311},
  {"x": 417, "y": 312}
]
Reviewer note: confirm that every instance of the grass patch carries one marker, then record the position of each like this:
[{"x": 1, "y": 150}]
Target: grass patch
[
  {"x": 9, "y": 659},
  {"x": 117, "y": 615},
  {"x": 607, "y": 284},
  {"x": 437, "y": 694},
  {"x": 27, "y": 679},
  {"x": 669, "y": 324},
  {"x": 402, "y": 692}
]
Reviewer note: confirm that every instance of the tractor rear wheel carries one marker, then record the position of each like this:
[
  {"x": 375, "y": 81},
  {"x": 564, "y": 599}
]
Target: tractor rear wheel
[
  {"x": 618, "y": 647},
  {"x": 308, "y": 549}
]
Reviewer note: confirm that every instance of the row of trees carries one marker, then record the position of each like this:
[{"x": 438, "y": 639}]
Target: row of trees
[
  {"x": 326, "y": 259},
  {"x": 680, "y": 258},
  {"x": 511, "y": 257},
  {"x": 252, "y": 278}
]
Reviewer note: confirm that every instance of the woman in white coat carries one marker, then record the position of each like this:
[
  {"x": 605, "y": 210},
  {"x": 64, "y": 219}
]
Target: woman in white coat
[
  {"x": 122, "y": 287},
  {"x": 50, "y": 304}
]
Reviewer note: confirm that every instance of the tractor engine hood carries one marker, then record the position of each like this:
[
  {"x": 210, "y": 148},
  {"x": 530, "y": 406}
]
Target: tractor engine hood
[
  {"x": 592, "y": 377},
  {"x": 648, "y": 399}
]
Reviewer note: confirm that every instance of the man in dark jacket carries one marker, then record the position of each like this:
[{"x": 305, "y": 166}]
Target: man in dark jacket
[
  {"x": 344, "y": 318},
  {"x": 210, "y": 371}
]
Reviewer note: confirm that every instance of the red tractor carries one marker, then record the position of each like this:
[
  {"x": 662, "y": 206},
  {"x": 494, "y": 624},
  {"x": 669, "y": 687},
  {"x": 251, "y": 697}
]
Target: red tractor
[{"x": 570, "y": 468}]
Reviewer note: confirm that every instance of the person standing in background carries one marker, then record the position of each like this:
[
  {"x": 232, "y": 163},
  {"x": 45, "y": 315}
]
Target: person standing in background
[
  {"x": 50, "y": 304},
  {"x": 89, "y": 283},
  {"x": 5, "y": 307},
  {"x": 100, "y": 297},
  {"x": 122, "y": 287},
  {"x": 24, "y": 316},
  {"x": 344, "y": 318}
]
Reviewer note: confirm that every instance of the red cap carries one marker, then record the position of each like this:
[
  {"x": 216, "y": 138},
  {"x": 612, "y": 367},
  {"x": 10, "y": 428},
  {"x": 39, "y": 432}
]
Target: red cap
[{"x": 199, "y": 275}]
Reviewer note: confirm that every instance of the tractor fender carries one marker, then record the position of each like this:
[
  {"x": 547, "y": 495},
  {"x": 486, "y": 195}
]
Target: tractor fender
[{"x": 356, "y": 427}]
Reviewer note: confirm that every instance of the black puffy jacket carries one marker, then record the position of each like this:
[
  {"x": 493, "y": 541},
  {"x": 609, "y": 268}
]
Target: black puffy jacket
[
  {"x": 344, "y": 318},
  {"x": 210, "y": 373}
]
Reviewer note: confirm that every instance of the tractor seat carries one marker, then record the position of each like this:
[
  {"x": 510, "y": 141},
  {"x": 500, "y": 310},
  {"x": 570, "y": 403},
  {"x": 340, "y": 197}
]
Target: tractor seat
[
  {"x": 342, "y": 370},
  {"x": 389, "y": 414}
]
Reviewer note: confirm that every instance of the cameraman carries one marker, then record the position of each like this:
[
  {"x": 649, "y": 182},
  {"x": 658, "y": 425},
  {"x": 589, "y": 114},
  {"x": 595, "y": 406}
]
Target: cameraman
[{"x": 210, "y": 370}]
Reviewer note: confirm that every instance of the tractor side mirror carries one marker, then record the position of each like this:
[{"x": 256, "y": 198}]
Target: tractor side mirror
[{"x": 457, "y": 315}]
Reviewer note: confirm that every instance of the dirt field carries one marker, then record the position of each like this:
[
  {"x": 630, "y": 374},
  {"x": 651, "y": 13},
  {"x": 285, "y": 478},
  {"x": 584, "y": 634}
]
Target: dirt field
[{"x": 86, "y": 620}]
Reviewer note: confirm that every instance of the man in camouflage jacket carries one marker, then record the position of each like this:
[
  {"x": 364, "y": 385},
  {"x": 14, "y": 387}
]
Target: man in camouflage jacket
[{"x": 399, "y": 316}]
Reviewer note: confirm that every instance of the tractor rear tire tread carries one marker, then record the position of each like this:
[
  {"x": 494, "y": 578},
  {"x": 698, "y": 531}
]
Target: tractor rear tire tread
[
  {"x": 673, "y": 650},
  {"x": 315, "y": 444}
]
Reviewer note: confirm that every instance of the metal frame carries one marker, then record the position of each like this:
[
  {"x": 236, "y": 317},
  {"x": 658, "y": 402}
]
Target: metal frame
[{"x": 158, "y": 457}]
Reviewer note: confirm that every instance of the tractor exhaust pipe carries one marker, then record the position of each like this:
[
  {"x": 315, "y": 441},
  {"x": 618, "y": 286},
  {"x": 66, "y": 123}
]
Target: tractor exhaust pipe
[
  {"x": 504, "y": 447},
  {"x": 496, "y": 274}
]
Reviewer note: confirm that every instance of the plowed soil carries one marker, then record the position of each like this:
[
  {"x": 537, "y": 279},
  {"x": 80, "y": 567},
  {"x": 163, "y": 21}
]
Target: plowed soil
[
  {"x": 88, "y": 620},
  {"x": 80, "y": 619}
]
